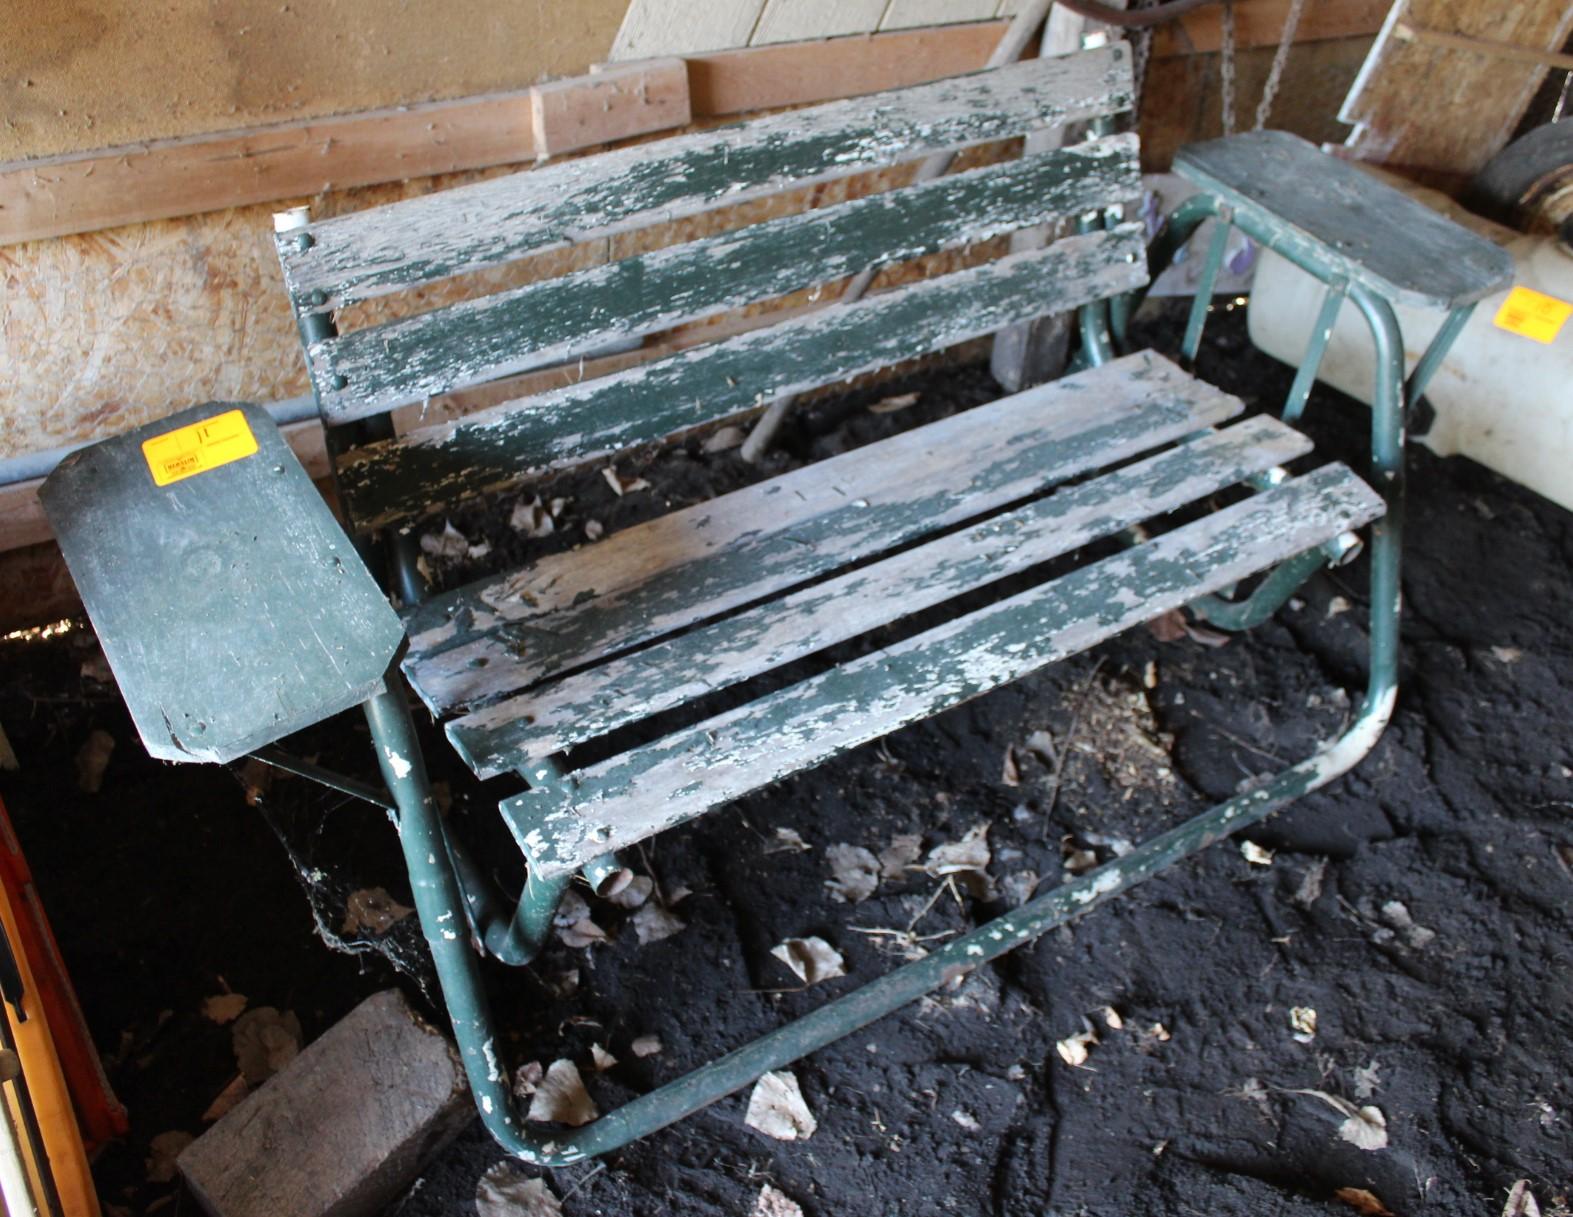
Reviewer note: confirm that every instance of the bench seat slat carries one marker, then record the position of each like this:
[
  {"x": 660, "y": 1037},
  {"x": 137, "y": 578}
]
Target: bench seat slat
[
  {"x": 402, "y": 361},
  {"x": 623, "y": 800},
  {"x": 492, "y": 637},
  {"x": 577, "y": 708},
  {"x": 386, "y": 249},
  {"x": 422, "y": 471}
]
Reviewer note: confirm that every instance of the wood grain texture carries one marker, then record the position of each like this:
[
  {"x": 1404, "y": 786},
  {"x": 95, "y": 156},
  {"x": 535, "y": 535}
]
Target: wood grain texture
[
  {"x": 577, "y": 708},
  {"x": 617, "y": 104},
  {"x": 373, "y": 252},
  {"x": 1378, "y": 236},
  {"x": 477, "y": 340},
  {"x": 1445, "y": 110},
  {"x": 1260, "y": 23},
  {"x": 488, "y": 638},
  {"x": 195, "y": 589},
  {"x": 660, "y": 27},
  {"x": 418, "y": 473},
  {"x": 621, "y": 801}
]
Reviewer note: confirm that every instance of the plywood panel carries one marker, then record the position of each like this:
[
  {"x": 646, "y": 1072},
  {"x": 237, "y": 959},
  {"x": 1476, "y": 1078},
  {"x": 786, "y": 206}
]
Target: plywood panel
[
  {"x": 665, "y": 27},
  {"x": 904, "y": 14},
  {"x": 791, "y": 20},
  {"x": 97, "y": 73},
  {"x": 1442, "y": 109}
]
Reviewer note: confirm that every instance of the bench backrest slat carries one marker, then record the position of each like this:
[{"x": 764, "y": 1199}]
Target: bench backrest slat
[
  {"x": 422, "y": 471},
  {"x": 366, "y": 254},
  {"x": 382, "y": 366}
]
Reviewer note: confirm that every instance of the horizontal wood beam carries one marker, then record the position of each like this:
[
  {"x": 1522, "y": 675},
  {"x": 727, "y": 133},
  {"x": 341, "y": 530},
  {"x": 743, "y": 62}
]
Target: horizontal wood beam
[{"x": 1260, "y": 23}]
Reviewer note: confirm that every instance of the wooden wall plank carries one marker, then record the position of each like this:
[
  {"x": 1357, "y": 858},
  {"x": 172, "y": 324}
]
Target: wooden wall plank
[
  {"x": 660, "y": 27},
  {"x": 794, "y": 20},
  {"x": 1441, "y": 109},
  {"x": 905, "y": 14}
]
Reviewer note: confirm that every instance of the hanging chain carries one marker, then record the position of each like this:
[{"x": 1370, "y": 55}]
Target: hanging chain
[
  {"x": 1141, "y": 56},
  {"x": 1275, "y": 73},
  {"x": 1226, "y": 66}
]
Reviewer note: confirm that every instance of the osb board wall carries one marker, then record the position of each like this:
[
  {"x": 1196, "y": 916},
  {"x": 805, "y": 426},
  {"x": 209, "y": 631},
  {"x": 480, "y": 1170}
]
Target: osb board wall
[{"x": 83, "y": 74}]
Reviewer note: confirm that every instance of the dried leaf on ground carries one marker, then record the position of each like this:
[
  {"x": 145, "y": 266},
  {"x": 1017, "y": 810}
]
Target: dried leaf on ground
[
  {"x": 223, "y": 1008},
  {"x": 646, "y": 1045},
  {"x": 92, "y": 758},
  {"x": 1255, "y": 854},
  {"x": 1416, "y": 937},
  {"x": 1073, "y": 1048},
  {"x": 971, "y": 853},
  {"x": 1174, "y": 625},
  {"x": 1365, "y": 1127},
  {"x": 1519, "y": 1201},
  {"x": 1310, "y": 884},
  {"x": 574, "y": 925},
  {"x": 1362, "y": 1201},
  {"x": 634, "y": 893},
  {"x": 1018, "y": 887},
  {"x": 505, "y": 1191},
  {"x": 1041, "y": 744},
  {"x": 904, "y": 849},
  {"x": 536, "y": 518},
  {"x": 226, "y": 1099},
  {"x": 724, "y": 440},
  {"x": 623, "y": 485},
  {"x": 1367, "y": 1079},
  {"x": 776, "y": 1108},
  {"x": 654, "y": 921},
  {"x": 265, "y": 1041},
  {"x": 788, "y": 841},
  {"x": 560, "y": 1097},
  {"x": 563, "y": 984},
  {"x": 527, "y": 1079},
  {"x": 1011, "y": 774},
  {"x": 373, "y": 911},
  {"x": 1302, "y": 1020},
  {"x": 772, "y": 1203},
  {"x": 1112, "y": 1018},
  {"x": 165, "y": 1149},
  {"x": 1074, "y": 859},
  {"x": 601, "y": 1058},
  {"x": 811, "y": 959},
  {"x": 891, "y": 404},
  {"x": 854, "y": 873}
]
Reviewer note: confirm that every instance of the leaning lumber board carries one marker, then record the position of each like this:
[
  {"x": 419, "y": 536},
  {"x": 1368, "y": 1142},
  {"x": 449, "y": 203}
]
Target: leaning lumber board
[
  {"x": 687, "y": 566},
  {"x": 577, "y": 708},
  {"x": 614, "y": 804},
  {"x": 421, "y": 472},
  {"x": 52, "y": 196}
]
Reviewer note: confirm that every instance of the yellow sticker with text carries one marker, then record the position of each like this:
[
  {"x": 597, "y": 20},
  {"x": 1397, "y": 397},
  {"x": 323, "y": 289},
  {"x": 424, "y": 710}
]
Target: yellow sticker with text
[
  {"x": 198, "y": 447},
  {"x": 1532, "y": 314}
]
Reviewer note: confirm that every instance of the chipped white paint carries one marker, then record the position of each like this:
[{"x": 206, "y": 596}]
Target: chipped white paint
[{"x": 400, "y": 765}]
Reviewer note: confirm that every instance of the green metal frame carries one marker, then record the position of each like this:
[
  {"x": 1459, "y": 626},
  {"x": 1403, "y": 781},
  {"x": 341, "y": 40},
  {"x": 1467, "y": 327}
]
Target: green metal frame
[{"x": 459, "y": 906}]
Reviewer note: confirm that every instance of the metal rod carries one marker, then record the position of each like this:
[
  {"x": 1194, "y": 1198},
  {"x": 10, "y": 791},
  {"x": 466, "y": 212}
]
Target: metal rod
[
  {"x": 1204, "y": 294},
  {"x": 1436, "y": 350},
  {"x": 1316, "y": 347},
  {"x": 273, "y": 755},
  {"x": 1270, "y": 595}
]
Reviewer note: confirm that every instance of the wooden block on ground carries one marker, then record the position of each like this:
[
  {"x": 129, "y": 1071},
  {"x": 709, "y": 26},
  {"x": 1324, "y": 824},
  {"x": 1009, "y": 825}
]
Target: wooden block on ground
[{"x": 342, "y": 1129}]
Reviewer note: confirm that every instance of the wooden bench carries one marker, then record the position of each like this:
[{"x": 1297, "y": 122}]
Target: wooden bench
[{"x": 1180, "y": 499}]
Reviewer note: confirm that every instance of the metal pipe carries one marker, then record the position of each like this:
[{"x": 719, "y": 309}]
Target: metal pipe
[
  {"x": 1197, "y": 319},
  {"x": 1311, "y": 361},
  {"x": 1436, "y": 351},
  {"x": 273, "y": 755}
]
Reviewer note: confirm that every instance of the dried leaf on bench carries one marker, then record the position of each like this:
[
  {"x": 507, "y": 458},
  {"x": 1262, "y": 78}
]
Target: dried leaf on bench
[
  {"x": 904, "y": 849},
  {"x": 646, "y": 1045},
  {"x": 92, "y": 758},
  {"x": 891, "y": 404},
  {"x": 1520, "y": 1203},
  {"x": 601, "y": 1058},
  {"x": 772, "y": 1203},
  {"x": 165, "y": 1149},
  {"x": 776, "y": 1108},
  {"x": 224, "y": 1007},
  {"x": 1362, "y": 1201},
  {"x": 811, "y": 959},
  {"x": 854, "y": 873},
  {"x": 372, "y": 910},
  {"x": 504, "y": 1191},
  {"x": 265, "y": 1041},
  {"x": 623, "y": 485},
  {"x": 654, "y": 921},
  {"x": 560, "y": 1097}
]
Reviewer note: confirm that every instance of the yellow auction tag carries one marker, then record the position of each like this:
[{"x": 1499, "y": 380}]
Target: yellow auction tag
[
  {"x": 1532, "y": 314},
  {"x": 198, "y": 447}
]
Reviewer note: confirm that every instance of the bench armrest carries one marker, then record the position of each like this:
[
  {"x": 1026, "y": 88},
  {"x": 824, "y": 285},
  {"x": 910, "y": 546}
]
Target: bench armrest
[{"x": 231, "y": 605}]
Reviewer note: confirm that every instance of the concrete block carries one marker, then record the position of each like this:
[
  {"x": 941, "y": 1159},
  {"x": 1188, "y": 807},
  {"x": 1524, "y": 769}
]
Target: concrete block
[{"x": 343, "y": 1128}]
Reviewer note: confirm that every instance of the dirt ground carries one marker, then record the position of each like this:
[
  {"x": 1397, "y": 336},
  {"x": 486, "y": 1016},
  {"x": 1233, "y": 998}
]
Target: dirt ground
[{"x": 1419, "y": 906}]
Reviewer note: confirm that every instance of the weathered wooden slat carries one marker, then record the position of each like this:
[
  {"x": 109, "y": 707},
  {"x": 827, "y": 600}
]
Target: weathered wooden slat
[
  {"x": 402, "y": 361},
  {"x": 1378, "y": 236},
  {"x": 422, "y": 471},
  {"x": 490, "y": 638},
  {"x": 385, "y": 249},
  {"x": 577, "y": 708},
  {"x": 623, "y": 800}
]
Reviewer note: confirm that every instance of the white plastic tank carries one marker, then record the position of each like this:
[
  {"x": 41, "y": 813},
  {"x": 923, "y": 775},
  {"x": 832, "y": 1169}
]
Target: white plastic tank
[{"x": 1502, "y": 399}]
